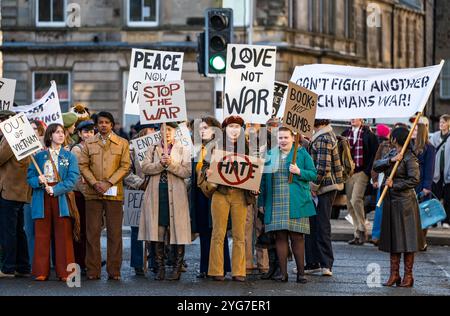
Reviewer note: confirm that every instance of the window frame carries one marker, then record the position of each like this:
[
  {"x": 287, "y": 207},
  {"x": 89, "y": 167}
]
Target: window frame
[
  {"x": 51, "y": 23},
  {"x": 142, "y": 23},
  {"x": 69, "y": 84},
  {"x": 445, "y": 76}
]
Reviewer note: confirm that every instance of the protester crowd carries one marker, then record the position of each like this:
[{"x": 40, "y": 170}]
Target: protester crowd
[{"x": 88, "y": 161}]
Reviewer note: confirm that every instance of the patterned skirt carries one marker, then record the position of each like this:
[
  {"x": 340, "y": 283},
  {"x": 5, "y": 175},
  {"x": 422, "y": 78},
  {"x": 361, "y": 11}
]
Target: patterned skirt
[{"x": 280, "y": 207}]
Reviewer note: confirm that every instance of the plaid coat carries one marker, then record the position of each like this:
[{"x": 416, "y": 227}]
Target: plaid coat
[{"x": 325, "y": 153}]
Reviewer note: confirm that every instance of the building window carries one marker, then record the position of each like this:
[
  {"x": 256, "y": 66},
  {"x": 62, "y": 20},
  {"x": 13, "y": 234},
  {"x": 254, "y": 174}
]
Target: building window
[
  {"x": 51, "y": 13},
  {"x": 445, "y": 80},
  {"x": 241, "y": 11},
  {"x": 380, "y": 41},
  {"x": 348, "y": 18},
  {"x": 331, "y": 7},
  {"x": 143, "y": 12},
  {"x": 41, "y": 84}
]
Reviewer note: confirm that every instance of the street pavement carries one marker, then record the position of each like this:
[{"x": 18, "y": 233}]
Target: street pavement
[{"x": 352, "y": 269}]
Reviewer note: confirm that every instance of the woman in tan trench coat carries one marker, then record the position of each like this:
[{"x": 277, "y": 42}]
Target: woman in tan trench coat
[{"x": 165, "y": 209}]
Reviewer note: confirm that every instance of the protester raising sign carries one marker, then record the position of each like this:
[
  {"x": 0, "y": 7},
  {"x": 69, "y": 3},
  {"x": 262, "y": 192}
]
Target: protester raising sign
[
  {"x": 7, "y": 90},
  {"x": 162, "y": 102},
  {"x": 20, "y": 136},
  {"x": 347, "y": 92},
  {"x": 279, "y": 99},
  {"x": 236, "y": 170},
  {"x": 150, "y": 66},
  {"x": 46, "y": 109},
  {"x": 249, "y": 82},
  {"x": 301, "y": 107},
  {"x": 132, "y": 207}
]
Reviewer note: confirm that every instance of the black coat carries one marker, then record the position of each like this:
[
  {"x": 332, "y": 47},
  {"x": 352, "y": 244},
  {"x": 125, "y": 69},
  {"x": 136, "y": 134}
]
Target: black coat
[{"x": 400, "y": 225}]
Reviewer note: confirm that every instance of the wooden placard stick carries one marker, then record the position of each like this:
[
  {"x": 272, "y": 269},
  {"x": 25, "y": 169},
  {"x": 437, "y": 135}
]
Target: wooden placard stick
[
  {"x": 397, "y": 163},
  {"x": 294, "y": 157}
]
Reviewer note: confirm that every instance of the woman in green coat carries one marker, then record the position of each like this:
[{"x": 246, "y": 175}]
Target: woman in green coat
[{"x": 288, "y": 206}]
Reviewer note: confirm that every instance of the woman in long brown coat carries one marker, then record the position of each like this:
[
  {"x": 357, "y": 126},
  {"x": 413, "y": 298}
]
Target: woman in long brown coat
[
  {"x": 400, "y": 225},
  {"x": 165, "y": 210}
]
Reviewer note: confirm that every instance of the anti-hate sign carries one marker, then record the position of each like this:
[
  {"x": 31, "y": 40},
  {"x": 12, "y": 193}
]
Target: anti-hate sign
[
  {"x": 249, "y": 82},
  {"x": 150, "y": 66},
  {"x": 20, "y": 136},
  {"x": 162, "y": 102},
  {"x": 7, "y": 91},
  {"x": 346, "y": 92},
  {"x": 236, "y": 170},
  {"x": 47, "y": 109}
]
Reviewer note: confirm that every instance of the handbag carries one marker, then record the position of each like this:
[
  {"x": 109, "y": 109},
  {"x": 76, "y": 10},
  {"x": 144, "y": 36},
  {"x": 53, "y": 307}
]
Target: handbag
[
  {"x": 431, "y": 212},
  {"x": 207, "y": 188},
  {"x": 71, "y": 203}
]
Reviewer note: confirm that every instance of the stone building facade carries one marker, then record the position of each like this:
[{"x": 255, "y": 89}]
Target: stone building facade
[{"x": 91, "y": 62}]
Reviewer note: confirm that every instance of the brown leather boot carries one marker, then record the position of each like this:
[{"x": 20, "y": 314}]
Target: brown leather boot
[
  {"x": 408, "y": 280},
  {"x": 394, "y": 278},
  {"x": 160, "y": 256},
  {"x": 178, "y": 263}
]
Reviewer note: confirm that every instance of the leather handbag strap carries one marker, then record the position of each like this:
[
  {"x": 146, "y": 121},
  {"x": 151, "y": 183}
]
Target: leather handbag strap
[
  {"x": 443, "y": 142},
  {"x": 55, "y": 170}
]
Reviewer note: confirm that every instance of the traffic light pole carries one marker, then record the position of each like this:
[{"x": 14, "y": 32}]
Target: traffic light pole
[{"x": 219, "y": 97}]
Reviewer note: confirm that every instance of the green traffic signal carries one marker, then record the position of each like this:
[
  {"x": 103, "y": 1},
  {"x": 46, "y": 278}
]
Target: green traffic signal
[{"x": 217, "y": 62}]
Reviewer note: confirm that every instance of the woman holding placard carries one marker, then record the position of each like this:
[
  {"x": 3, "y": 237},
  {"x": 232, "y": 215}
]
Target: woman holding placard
[
  {"x": 288, "y": 206},
  {"x": 400, "y": 224},
  {"x": 165, "y": 209},
  {"x": 57, "y": 175},
  {"x": 226, "y": 200}
]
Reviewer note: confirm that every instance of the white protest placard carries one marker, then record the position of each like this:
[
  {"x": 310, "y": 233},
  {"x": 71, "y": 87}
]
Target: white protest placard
[
  {"x": 236, "y": 170},
  {"x": 150, "y": 66},
  {"x": 142, "y": 144},
  {"x": 249, "y": 82},
  {"x": 132, "y": 207},
  {"x": 347, "y": 92},
  {"x": 7, "y": 91},
  {"x": 279, "y": 99},
  {"x": 20, "y": 136},
  {"x": 162, "y": 102},
  {"x": 184, "y": 136},
  {"x": 47, "y": 109}
]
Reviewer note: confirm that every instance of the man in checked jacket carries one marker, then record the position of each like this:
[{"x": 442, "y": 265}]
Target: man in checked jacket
[
  {"x": 325, "y": 154},
  {"x": 363, "y": 146}
]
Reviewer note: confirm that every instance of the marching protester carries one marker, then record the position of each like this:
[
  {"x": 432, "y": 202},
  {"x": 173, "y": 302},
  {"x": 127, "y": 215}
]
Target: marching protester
[
  {"x": 363, "y": 145},
  {"x": 165, "y": 208},
  {"x": 200, "y": 204},
  {"x": 104, "y": 162},
  {"x": 384, "y": 147},
  {"x": 57, "y": 175},
  {"x": 426, "y": 154},
  {"x": 137, "y": 180},
  {"x": 400, "y": 225},
  {"x": 14, "y": 193},
  {"x": 325, "y": 154},
  {"x": 39, "y": 128},
  {"x": 288, "y": 205},
  {"x": 85, "y": 131},
  {"x": 254, "y": 223},
  {"x": 441, "y": 180},
  {"x": 226, "y": 200}
]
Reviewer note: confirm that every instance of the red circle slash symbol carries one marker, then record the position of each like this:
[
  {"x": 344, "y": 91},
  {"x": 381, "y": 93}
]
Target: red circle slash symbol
[{"x": 235, "y": 170}]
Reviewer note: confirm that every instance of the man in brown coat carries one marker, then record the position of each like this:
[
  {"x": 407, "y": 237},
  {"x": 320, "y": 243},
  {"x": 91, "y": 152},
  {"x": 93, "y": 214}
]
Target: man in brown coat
[
  {"x": 104, "y": 162},
  {"x": 14, "y": 192}
]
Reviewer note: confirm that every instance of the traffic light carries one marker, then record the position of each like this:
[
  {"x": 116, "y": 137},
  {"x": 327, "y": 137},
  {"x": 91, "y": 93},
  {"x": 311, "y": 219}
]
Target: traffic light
[
  {"x": 201, "y": 53},
  {"x": 218, "y": 33}
]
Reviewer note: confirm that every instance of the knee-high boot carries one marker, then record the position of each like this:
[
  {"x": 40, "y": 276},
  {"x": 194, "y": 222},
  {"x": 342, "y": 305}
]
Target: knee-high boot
[
  {"x": 408, "y": 280},
  {"x": 394, "y": 278},
  {"x": 178, "y": 262},
  {"x": 160, "y": 256}
]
